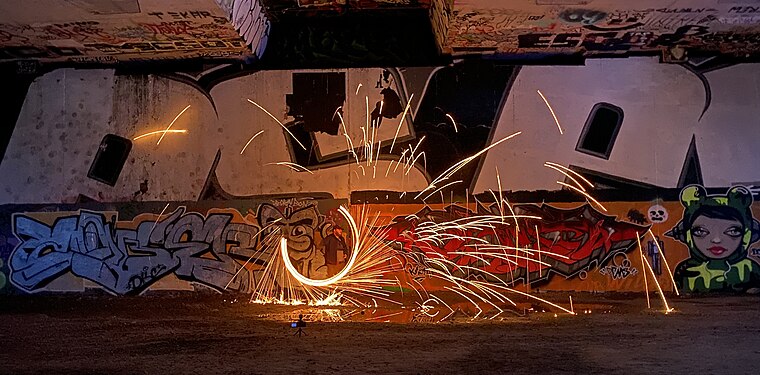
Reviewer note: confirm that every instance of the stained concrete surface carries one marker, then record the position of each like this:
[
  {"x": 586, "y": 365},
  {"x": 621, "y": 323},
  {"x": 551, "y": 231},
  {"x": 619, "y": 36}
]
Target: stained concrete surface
[{"x": 192, "y": 334}]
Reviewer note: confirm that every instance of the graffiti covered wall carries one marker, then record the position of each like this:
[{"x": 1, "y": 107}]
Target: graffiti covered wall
[
  {"x": 104, "y": 32},
  {"x": 679, "y": 124},
  {"x": 128, "y": 249},
  {"x": 383, "y": 135},
  {"x": 580, "y": 247},
  {"x": 709, "y": 242},
  {"x": 597, "y": 27}
]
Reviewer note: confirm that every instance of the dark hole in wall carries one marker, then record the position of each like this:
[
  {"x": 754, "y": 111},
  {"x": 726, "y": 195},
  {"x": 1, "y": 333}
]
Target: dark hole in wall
[
  {"x": 472, "y": 92},
  {"x": 109, "y": 160},
  {"x": 601, "y": 130},
  {"x": 315, "y": 98}
]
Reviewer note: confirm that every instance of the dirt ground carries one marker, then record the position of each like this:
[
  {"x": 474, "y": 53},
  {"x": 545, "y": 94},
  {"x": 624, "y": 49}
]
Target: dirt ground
[{"x": 192, "y": 334}]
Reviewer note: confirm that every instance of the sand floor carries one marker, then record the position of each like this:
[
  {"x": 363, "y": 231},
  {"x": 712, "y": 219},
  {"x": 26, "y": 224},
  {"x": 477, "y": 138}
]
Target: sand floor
[{"x": 191, "y": 334}]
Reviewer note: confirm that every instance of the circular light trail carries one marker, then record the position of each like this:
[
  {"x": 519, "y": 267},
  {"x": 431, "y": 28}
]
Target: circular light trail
[{"x": 324, "y": 282}]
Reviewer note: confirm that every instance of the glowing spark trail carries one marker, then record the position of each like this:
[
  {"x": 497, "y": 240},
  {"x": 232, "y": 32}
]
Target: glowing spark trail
[
  {"x": 584, "y": 194},
  {"x": 456, "y": 167},
  {"x": 572, "y": 311},
  {"x": 172, "y": 123},
  {"x": 278, "y": 121},
  {"x": 571, "y": 171},
  {"x": 406, "y": 109},
  {"x": 646, "y": 284},
  {"x": 538, "y": 243},
  {"x": 158, "y": 218},
  {"x": 254, "y": 254},
  {"x": 182, "y": 131},
  {"x": 249, "y": 141},
  {"x": 307, "y": 281},
  {"x": 453, "y": 122},
  {"x": 442, "y": 187},
  {"x": 550, "y": 110},
  {"x": 656, "y": 282},
  {"x": 293, "y": 166},
  {"x": 566, "y": 175},
  {"x": 662, "y": 254},
  {"x": 357, "y": 89}
]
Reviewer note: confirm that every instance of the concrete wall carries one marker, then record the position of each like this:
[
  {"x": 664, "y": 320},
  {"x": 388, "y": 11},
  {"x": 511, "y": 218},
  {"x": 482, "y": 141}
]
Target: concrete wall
[
  {"x": 67, "y": 113},
  {"x": 662, "y": 106},
  {"x": 94, "y": 31},
  {"x": 231, "y": 246}
]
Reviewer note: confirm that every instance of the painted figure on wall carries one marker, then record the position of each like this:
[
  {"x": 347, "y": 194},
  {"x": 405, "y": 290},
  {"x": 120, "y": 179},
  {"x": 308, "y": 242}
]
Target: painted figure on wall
[
  {"x": 718, "y": 230},
  {"x": 298, "y": 225},
  {"x": 335, "y": 251}
]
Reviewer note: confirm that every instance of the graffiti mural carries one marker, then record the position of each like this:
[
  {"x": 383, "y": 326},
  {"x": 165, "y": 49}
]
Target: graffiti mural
[
  {"x": 570, "y": 241},
  {"x": 718, "y": 230},
  {"x": 654, "y": 252},
  {"x": 657, "y": 214},
  {"x": 299, "y": 227},
  {"x": 590, "y": 31},
  {"x": 128, "y": 256},
  {"x": 619, "y": 268},
  {"x": 163, "y": 33}
]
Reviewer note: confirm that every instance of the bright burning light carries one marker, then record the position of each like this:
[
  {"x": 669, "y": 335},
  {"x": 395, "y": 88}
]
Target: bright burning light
[
  {"x": 325, "y": 282},
  {"x": 172, "y": 123},
  {"x": 551, "y": 110},
  {"x": 182, "y": 131}
]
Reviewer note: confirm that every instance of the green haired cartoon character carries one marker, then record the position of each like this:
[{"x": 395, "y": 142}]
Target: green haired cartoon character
[{"x": 718, "y": 230}]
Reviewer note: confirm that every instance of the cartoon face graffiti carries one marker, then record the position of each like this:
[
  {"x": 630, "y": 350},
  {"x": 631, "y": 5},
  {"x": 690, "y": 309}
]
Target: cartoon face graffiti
[
  {"x": 717, "y": 238},
  {"x": 657, "y": 214},
  {"x": 297, "y": 226},
  {"x": 718, "y": 230}
]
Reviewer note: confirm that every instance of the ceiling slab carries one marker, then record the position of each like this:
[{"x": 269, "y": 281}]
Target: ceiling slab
[
  {"x": 280, "y": 34},
  {"x": 604, "y": 27},
  {"x": 103, "y": 31}
]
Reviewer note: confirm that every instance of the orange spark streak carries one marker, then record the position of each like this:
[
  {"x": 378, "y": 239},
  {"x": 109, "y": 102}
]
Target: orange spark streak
[
  {"x": 566, "y": 174},
  {"x": 550, "y": 110},
  {"x": 250, "y": 140},
  {"x": 571, "y": 171},
  {"x": 584, "y": 194},
  {"x": 293, "y": 166},
  {"x": 158, "y": 218},
  {"x": 662, "y": 254},
  {"x": 159, "y": 131},
  {"x": 538, "y": 242},
  {"x": 406, "y": 109},
  {"x": 170, "y": 125},
  {"x": 651, "y": 271},
  {"x": 278, "y": 121},
  {"x": 459, "y": 165},
  {"x": 453, "y": 122},
  {"x": 441, "y": 188},
  {"x": 646, "y": 284},
  {"x": 571, "y": 306}
]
